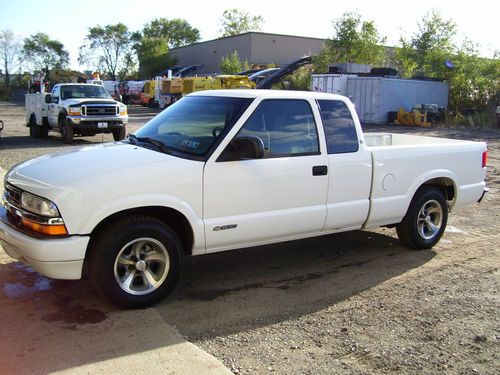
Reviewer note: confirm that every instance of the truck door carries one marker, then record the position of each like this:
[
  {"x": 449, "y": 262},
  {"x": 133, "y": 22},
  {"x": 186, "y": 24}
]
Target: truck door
[
  {"x": 54, "y": 107},
  {"x": 350, "y": 168},
  {"x": 279, "y": 196}
]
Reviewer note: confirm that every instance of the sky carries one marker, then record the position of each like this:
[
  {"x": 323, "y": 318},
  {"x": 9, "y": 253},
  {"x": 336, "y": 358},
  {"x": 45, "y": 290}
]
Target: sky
[{"x": 69, "y": 21}]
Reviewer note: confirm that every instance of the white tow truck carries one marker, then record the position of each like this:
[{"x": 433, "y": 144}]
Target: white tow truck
[
  {"x": 75, "y": 109},
  {"x": 228, "y": 169}
]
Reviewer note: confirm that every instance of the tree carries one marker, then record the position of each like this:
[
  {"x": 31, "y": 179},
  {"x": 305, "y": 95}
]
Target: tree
[
  {"x": 236, "y": 21},
  {"x": 426, "y": 52},
  {"x": 44, "y": 53},
  {"x": 231, "y": 64},
  {"x": 157, "y": 37},
  {"x": 153, "y": 56},
  {"x": 432, "y": 52},
  {"x": 354, "y": 41},
  {"x": 10, "y": 48},
  {"x": 108, "y": 48},
  {"x": 177, "y": 32}
]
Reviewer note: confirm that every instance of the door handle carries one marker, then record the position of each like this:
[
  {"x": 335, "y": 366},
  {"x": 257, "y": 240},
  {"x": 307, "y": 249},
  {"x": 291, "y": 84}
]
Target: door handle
[{"x": 320, "y": 170}]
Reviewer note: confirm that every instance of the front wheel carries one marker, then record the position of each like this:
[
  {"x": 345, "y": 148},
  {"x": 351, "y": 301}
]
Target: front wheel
[
  {"x": 135, "y": 261},
  {"x": 66, "y": 131},
  {"x": 425, "y": 220},
  {"x": 119, "y": 133}
]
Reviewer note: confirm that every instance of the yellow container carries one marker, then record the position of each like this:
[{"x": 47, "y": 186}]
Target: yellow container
[{"x": 172, "y": 86}]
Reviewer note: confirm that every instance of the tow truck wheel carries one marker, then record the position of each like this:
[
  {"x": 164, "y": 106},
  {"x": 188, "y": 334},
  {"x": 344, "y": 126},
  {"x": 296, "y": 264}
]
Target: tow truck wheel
[
  {"x": 66, "y": 131},
  {"x": 425, "y": 220},
  {"x": 135, "y": 261},
  {"x": 119, "y": 133},
  {"x": 35, "y": 129}
]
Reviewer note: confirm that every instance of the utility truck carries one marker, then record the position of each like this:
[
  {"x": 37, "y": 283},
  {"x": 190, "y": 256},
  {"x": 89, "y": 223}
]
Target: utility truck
[
  {"x": 75, "y": 109},
  {"x": 228, "y": 169}
]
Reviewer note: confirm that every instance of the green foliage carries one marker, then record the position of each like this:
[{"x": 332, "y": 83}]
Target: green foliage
[
  {"x": 425, "y": 53},
  {"x": 176, "y": 32},
  {"x": 108, "y": 49},
  {"x": 354, "y": 41},
  {"x": 64, "y": 75},
  {"x": 231, "y": 64},
  {"x": 155, "y": 40},
  {"x": 237, "y": 21},
  {"x": 479, "y": 120},
  {"x": 298, "y": 80},
  {"x": 432, "y": 52},
  {"x": 10, "y": 49},
  {"x": 44, "y": 53}
]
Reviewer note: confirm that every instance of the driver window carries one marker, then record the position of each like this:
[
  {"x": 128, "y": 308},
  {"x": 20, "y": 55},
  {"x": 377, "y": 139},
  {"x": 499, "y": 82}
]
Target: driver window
[{"x": 285, "y": 126}]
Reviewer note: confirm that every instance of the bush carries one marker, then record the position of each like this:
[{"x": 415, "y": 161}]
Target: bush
[
  {"x": 4, "y": 91},
  {"x": 478, "y": 120}
]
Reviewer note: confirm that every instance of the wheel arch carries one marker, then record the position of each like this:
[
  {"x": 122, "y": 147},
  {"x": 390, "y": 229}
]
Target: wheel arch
[
  {"x": 446, "y": 184},
  {"x": 171, "y": 217}
]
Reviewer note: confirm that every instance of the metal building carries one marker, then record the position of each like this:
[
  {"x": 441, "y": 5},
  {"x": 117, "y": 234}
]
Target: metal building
[{"x": 254, "y": 47}]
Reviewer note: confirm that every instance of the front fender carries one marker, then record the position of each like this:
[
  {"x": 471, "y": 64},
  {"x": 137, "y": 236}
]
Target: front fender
[{"x": 128, "y": 202}]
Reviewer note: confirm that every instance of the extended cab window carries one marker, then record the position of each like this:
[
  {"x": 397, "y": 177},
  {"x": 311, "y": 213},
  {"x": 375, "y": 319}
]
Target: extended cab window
[
  {"x": 286, "y": 127},
  {"x": 339, "y": 127}
]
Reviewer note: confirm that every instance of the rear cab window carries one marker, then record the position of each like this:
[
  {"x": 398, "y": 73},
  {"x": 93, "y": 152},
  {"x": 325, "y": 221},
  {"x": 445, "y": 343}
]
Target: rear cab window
[{"x": 338, "y": 124}]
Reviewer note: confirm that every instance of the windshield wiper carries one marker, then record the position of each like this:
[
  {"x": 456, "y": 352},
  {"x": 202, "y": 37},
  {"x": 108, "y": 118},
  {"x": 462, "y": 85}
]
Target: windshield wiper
[{"x": 158, "y": 144}]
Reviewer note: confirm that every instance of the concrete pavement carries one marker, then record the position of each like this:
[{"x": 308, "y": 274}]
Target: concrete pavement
[{"x": 50, "y": 326}]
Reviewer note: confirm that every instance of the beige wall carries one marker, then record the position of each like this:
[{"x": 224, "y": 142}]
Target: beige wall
[{"x": 254, "y": 47}]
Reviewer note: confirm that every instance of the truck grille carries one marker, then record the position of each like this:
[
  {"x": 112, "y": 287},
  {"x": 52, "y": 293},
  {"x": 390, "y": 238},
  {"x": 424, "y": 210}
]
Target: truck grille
[{"x": 99, "y": 110}]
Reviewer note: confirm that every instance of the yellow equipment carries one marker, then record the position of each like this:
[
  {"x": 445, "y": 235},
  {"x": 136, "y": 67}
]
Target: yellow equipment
[
  {"x": 236, "y": 82},
  {"x": 413, "y": 118},
  {"x": 172, "y": 86},
  {"x": 192, "y": 84}
]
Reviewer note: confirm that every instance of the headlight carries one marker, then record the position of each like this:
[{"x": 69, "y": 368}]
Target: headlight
[
  {"x": 74, "y": 111},
  {"x": 123, "y": 110},
  {"x": 39, "y": 206}
]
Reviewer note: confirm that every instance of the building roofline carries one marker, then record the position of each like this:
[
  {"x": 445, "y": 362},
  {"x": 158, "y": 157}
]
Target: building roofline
[{"x": 248, "y": 32}]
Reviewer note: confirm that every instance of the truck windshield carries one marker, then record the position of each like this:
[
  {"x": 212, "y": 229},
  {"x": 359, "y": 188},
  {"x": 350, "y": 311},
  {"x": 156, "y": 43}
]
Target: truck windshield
[
  {"x": 193, "y": 124},
  {"x": 84, "y": 91}
]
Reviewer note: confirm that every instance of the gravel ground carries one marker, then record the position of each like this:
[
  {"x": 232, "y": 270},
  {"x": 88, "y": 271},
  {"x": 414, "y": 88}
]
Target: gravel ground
[{"x": 352, "y": 303}]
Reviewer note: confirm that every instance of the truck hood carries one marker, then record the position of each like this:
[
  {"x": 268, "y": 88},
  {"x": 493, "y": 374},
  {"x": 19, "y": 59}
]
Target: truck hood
[
  {"x": 63, "y": 168},
  {"x": 89, "y": 101}
]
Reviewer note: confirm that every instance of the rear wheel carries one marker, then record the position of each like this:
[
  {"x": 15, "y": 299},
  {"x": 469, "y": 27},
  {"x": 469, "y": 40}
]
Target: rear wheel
[
  {"x": 35, "y": 130},
  {"x": 425, "y": 220},
  {"x": 135, "y": 262}
]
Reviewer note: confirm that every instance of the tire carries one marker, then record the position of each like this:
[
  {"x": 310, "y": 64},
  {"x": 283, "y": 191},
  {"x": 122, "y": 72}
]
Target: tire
[
  {"x": 119, "y": 133},
  {"x": 31, "y": 125},
  {"x": 66, "y": 131},
  {"x": 425, "y": 220},
  {"x": 118, "y": 265},
  {"x": 36, "y": 131}
]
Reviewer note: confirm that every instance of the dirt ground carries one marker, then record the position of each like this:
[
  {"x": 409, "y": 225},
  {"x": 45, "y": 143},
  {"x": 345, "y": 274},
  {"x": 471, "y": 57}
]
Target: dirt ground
[{"x": 352, "y": 303}]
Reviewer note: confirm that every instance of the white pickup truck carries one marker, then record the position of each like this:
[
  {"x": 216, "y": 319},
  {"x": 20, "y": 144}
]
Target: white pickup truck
[
  {"x": 222, "y": 170},
  {"x": 75, "y": 109}
]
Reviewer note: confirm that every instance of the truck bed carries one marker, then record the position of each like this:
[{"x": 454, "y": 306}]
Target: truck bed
[
  {"x": 391, "y": 139},
  {"x": 402, "y": 163}
]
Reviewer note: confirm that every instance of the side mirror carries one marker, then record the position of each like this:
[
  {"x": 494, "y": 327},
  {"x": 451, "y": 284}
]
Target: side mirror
[
  {"x": 48, "y": 98},
  {"x": 246, "y": 147}
]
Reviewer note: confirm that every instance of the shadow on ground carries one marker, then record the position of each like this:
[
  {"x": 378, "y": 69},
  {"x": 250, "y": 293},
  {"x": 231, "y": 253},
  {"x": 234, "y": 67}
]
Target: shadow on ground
[
  {"x": 49, "y": 325},
  {"x": 222, "y": 293}
]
